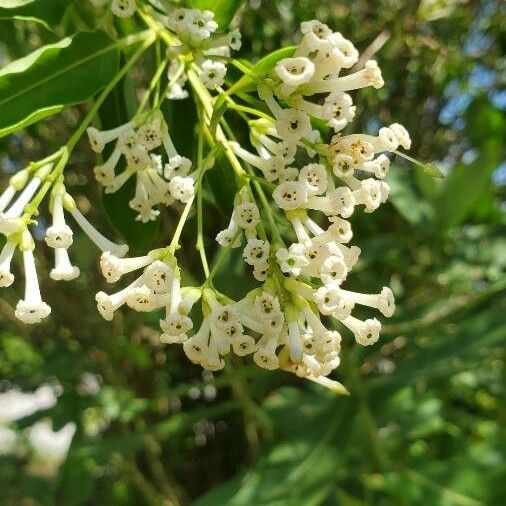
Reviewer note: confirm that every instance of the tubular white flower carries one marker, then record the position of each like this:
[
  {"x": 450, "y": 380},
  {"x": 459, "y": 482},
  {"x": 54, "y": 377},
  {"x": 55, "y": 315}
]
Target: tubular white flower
[
  {"x": 142, "y": 299},
  {"x": 108, "y": 304},
  {"x": 31, "y": 309},
  {"x": 23, "y": 199},
  {"x": 294, "y": 342},
  {"x": 369, "y": 194},
  {"x": 333, "y": 270},
  {"x": 6, "y": 276},
  {"x": 175, "y": 328},
  {"x": 290, "y": 195},
  {"x": 401, "y": 134},
  {"x": 366, "y": 332},
  {"x": 113, "y": 267},
  {"x": 293, "y": 259},
  {"x": 160, "y": 278},
  {"x": 293, "y": 72},
  {"x": 340, "y": 201},
  {"x": 6, "y": 197},
  {"x": 383, "y": 301},
  {"x": 98, "y": 139},
  {"x": 293, "y": 124},
  {"x": 368, "y": 76},
  {"x": 59, "y": 234},
  {"x": 256, "y": 251},
  {"x": 265, "y": 356},
  {"x": 182, "y": 188},
  {"x": 150, "y": 133},
  {"x": 105, "y": 173},
  {"x": 104, "y": 244},
  {"x": 338, "y": 110},
  {"x": 123, "y": 8},
  {"x": 246, "y": 215},
  {"x": 314, "y": 176},
  {"x": 177, "y": 166},
  {"x": 243, "y": 345},
  {"x": 63, "y": 270},
  {"x": 212, "y": 74}
]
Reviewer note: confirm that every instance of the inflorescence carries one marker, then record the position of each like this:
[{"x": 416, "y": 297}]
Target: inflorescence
[{"x": 301, "y": 180}]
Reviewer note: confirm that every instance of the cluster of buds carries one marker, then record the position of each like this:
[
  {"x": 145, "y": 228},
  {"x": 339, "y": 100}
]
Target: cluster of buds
[
  {"x": 139, "y": 142},
  {"x": 120, "y": 8},
  {"x": 195, "y": 32},
  {"x": 15, "y": 216}
]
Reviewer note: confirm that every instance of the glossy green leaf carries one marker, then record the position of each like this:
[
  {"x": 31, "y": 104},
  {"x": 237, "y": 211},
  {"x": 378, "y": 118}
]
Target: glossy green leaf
[
  {"x": 49, "y": 13},
  {"x": 224, "y": 10},
  {"x": 57, "y": 75},
  {"x": 261, "y": 69}
]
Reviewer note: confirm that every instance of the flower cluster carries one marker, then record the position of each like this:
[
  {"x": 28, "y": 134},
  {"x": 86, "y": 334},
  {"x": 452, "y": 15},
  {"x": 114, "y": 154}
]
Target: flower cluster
[
  {"x": 301, "y": 179},
  {"x": 317, "y": 196},
  {"x": 15, "y": 212},
  {"x": 157, "y": 183},
  {"x": 120, "y": 8},
  {"x": 195, "y": 32}
]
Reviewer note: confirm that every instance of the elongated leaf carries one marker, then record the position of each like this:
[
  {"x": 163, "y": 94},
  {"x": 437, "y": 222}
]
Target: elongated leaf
[
  {"x": 49, "y": 13},
  {"x": 261, "y": 69},
  {"x": 464, "y": 186},
  {"x": 42, "y": 83},
  {"x": 224, "y": 10}
]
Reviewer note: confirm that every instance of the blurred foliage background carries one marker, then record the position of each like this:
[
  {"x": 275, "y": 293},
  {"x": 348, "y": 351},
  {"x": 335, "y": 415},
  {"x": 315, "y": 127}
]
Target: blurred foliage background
[{"x": 425, "y": 422}]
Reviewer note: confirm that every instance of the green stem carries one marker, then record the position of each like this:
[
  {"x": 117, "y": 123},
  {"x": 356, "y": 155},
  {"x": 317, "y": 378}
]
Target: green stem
[
  {"x": 200, "y": 221},
  {"x": 152, "y": 86}
]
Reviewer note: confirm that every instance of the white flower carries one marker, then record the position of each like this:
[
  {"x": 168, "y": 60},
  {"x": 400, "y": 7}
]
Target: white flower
[
  {"x": 293, "y": 72},
  {"x": 114, "y": 267},
  {"x": 150, "y": 134},
  {"x": 141, "y": 298},
  {"x": 366, "y": 332},
  {"x": 339, "y": 110},
  {"x": 159, "y": 277},
  {"x": 138, "y": 157},
  {"x": 31, "y": 309},
  {"x": 177, "y": 166},
  {"x": 123, "y": 8},
  {"x": 98, "y": 139},
  {"x": 333, "y": 269},
  {"x": 256, "y": 251},
  {"x": 246, "y": 215},
  {"x": 175, "y": 327},
  {"x": 314, "y": 176},
  {"x": 402, "y": 135},
  {"x": 265, "y": 356},
  {"x": 290, "y": 195},
  {"x": 63, "y": 270},
  {"x": 260, "y": 271},
  {"x": 212, "y": 74},
  {"x": 243, "y": 345},
  {"x": 293, "y": 259},
  {"x": 6, "y": 276},
  {"x": 369, "y": 194},
  {"x": 59, "y": 234},
  {"x": 292, "y": 124},
  {"x": 182, "y": 188}
]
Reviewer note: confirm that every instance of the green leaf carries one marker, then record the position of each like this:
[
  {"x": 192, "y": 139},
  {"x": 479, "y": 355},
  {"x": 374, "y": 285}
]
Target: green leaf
[
  {"x": 465, "y": 184},
  {"x": 261, "y": 69},
  {"x": 224, "y": 10},
  {"x": 57, "y": 75},
  {"x": 48, "y": 13}
]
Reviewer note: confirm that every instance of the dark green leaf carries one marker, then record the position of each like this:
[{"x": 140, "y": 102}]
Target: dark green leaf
[
  {"x": 49, "y": 13},
  {"x": 68, "y": 72}
]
